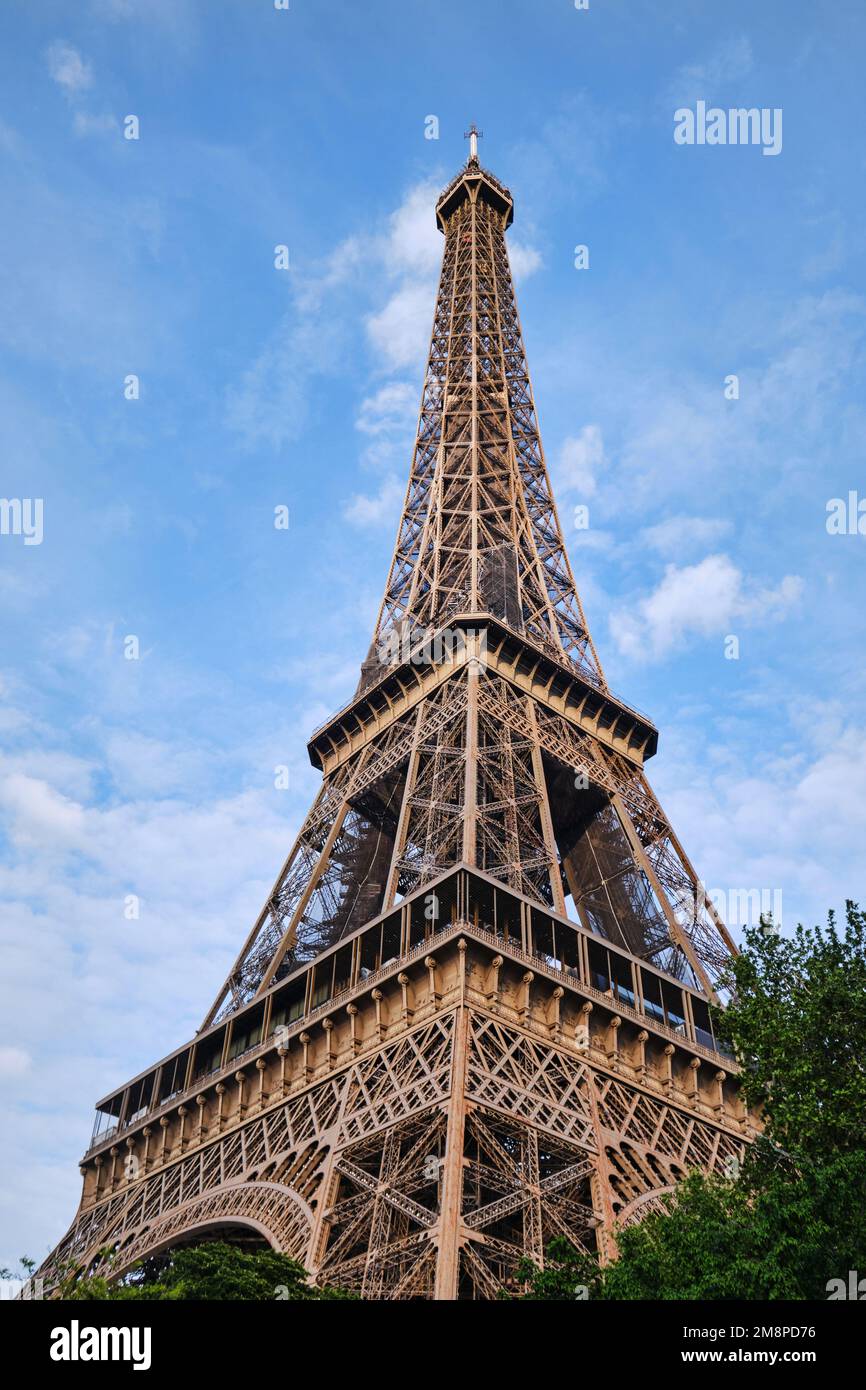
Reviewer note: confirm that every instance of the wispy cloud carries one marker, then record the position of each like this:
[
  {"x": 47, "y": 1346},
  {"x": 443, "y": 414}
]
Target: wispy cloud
[
  {"x": 524, "y": 260},
  {"x": 68, "y": 69},
  {"x": 581, "y": 459},
  {"x": 677, "y": 536},
  {"x": 720, "y": 72},
  {"x": 381, "y": 508},
  {"x": 85, "y": 124},
  {"x": 400, "y": 331}
]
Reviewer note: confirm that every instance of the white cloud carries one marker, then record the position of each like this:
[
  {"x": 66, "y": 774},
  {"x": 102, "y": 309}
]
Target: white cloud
[
  {"x": 771, "y": 603},
  {"x": 268, "y": 403},
  {"x": 757, "y": 821},
  {"x": 569, "y": 150},
  {"x": 388, "y": 418},
  {"x": 14, "y": 1061},
  {"x": 412, "y": 251},
  {"x": 414, "y": 242},
  {"x": 67, "y": 68},
  {"x": 392, "y": 407},
  {"x": 590, "y": 538},
  {"x": 669, "y": 438},
  {"x": 379, "y": 508},
  {"x": 724, "y": 67},
  {"x": 820, "y": 341},
  {"x": 66, "y": 772},
  {"x": 679, "y": 534},
  {"x": 400, "y": 332},
  {"x": 38, "y": 814},
  {"x": 84, "y": 124},
  {"x": 702, "y": 600},
  {"x": 143, "y": 766},
  {"x": 346, "y": 262},
  {"x": 675, "y": 426},
  {"x": 581, "y": 458},
  {"x": 177, "y": 19},
  {"x": 114, "y": 9},
  {"x": 524, "y": 260},
  {"x": 201, "y": 869}
]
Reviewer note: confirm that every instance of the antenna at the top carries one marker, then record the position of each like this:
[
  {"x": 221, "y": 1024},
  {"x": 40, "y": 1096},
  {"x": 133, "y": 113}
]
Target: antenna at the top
[{"x": 472, "y": 135}]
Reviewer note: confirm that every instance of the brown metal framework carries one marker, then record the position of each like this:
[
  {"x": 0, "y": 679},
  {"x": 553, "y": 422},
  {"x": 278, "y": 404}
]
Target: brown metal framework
[
  {"x": 461, "y": 766},
  {"x": 411, "y": 1124}
]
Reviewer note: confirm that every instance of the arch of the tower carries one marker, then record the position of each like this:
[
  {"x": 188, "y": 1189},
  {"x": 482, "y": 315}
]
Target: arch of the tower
[{"x": 250, "y": 1214}]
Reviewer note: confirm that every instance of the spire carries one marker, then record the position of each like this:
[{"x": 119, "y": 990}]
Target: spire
[
  {"x": 472, "y": 135},
  {"x": 480, "y": 531}
]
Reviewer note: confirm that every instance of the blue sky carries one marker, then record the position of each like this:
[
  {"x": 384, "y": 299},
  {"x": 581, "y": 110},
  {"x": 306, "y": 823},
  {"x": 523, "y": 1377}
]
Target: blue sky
[{"x": 261, "y": 387}]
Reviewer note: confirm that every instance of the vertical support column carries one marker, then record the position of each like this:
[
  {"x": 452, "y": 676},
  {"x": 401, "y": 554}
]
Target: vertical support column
[
  {"x": 532, "y": 1239},
  {"x": 474, "y": 595},
  {"x": 708, "y": 903},
  {"x": 470, "y": 787},
  {"x": 601, "y": 1182},
  {"x": 544, "y": 811},
  {"x": 380, "y": 1225},
  {"x": 405, "y": 810},
  {"x": 316, "y": 873},
  {"x": 449, "y": 1236},
  {"x": 517, "y": 514},
  {"x": 678, "y": 936}
]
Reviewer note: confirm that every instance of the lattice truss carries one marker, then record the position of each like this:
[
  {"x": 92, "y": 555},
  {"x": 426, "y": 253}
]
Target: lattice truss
[
  {"x": 520, "y": 1189},
  {"x": 268, "y": 1172},
  {"x": 476, "y": 772},
  {"x": 554, "y": 813},
  {"x": 479, "y": 506},
  {"x": 347, "y": 1176}
]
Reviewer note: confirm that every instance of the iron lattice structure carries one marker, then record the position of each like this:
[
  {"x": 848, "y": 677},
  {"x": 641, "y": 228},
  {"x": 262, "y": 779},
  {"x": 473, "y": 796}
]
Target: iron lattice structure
[{"x": 472, "y": 1014}]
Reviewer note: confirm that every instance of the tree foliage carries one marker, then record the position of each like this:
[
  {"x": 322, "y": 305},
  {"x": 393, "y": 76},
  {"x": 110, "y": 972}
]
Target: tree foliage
[
  {"x": 212, "y": 1270},
  {"x": 795, "y": 1217},
  {"x": 798, "y": 1022}
]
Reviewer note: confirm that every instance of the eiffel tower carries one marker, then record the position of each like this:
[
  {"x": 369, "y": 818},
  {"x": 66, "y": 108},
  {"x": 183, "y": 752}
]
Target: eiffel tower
[{"x": 472, "y": 1015}]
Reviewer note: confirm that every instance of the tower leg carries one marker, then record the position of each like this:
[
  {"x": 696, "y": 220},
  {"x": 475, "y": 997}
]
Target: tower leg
[{"x": 449, "y": 1238}]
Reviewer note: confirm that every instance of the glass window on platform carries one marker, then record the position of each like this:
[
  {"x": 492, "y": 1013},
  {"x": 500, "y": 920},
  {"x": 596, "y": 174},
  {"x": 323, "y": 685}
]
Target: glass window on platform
[
  {"x": 508, "y": 918},
  {"x": 172, "y": 1077},
  {"x": 703, "y": 1023},
  {"x": 675, "y": 1015},
  {"x": 568, "y": 947},
  {"x": 543, "y": 939},
  {"x": 391, "y": 938},
  {"x": 321, "y": 990},
  {"x": 342, "y": 969},
  {"x": 288, "y": 1005},
  {"x": 420, "y": 924},
  {"x": 482, "y": 904},
  {"x": 139, "y": 1099},
  {"x": 246, "y": 1032},
  {"x": 622, "y": 978},
  {"x": 599, "y": 969},
  {"x": 208, "y": 1054},
  {"x": 107, "y": 1118},
  {"x": 651, "y": 988},
  {"x": 446, "y": 903},
  {"x": 371, "y": 951}
]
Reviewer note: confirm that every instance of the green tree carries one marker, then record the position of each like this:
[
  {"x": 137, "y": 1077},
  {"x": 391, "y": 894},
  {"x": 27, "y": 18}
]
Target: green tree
[
  {"x": 212, "y": 1270},
  {"x": 795, "y": 1217},
  {"x": 798, "y": 1022}
]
